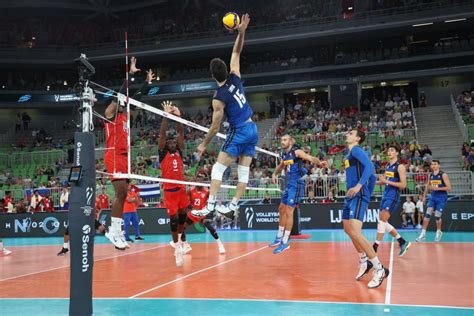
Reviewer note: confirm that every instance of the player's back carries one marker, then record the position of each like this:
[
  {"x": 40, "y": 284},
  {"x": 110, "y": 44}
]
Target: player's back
[{"x": 232, "y": 94}]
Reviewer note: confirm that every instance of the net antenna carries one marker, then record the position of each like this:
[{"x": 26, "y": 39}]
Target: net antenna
[{"x": 86, "y": 94}]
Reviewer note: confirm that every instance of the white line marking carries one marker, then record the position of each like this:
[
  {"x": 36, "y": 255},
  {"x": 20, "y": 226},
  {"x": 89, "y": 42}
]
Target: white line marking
[
  {"x": 388, "y": 291},
  {"x": 237, "y": 300},
  {"x": 199, "y": 271},
  {"x": 66, "y": 266}
]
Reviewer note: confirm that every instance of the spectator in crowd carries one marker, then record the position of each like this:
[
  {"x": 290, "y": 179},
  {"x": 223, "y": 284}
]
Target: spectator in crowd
[
  {"x": 469, "y": 161},
  {"x": 64, "y": 199},
  {"x": 20, "y": 207},
  {"x": 103, "y": 199},
  {"x": 310, "y": 199},
  {"x": 132, "y": 201},
  {"x": 7, "y": 202},
  {"x": 36, "y": 202},
  {"x": 420, "y": 209},
  {"x": 26, "y": 120},
  {"x": 329, "y": 199},
  {"x": 408, "y": 211},
  {"x": 48, "y": 204},
  {"x": 18, "y": 122},
  {"x": 267, "y": 199}
]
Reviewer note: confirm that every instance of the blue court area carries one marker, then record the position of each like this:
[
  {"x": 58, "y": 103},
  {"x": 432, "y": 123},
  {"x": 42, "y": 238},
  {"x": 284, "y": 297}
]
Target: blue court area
[{"x": 220, "y": 306}]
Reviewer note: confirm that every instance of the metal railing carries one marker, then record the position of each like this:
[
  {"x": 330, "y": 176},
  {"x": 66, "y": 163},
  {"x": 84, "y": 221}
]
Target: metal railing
[
  {"x": 414, "y": 118},
  {"x": 461, "y": 125}
]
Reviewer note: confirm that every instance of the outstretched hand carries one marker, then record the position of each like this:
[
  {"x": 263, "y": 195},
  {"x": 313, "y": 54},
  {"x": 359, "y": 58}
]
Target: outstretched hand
[
  {"x": 150, "y": 75},
  {"x": 168, "y": 107},
  {"x": 133, "y": 66},
  {"x": 244, "y": 23}
]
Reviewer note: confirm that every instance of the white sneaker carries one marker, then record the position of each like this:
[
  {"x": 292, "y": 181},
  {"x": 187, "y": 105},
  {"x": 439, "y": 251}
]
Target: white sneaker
[
  {"x": 116, "y": 240},
  {"x": 364, "y": 268},
  {"x": 379, "y": 276},
  {"x": 186, "y": 247},
  {"x": 202, "y": 213},
  {"x": 229, "y": 210},
  {"x": 221, "y": 247},
  {"x": 418, "y": 226},
  {"x": 438, "y": 236},
  {"x": 172, "y": 243},
  {"x": 178, "y": 253},
  {"x": 420, "y": 238},
  {"x": 6, "y": 252},
  {"x": 124, "y": 240}
]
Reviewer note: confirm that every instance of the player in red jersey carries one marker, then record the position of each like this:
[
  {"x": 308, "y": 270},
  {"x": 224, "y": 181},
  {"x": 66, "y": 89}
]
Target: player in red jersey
[
  {"x": 198, "y": 197},
  {"x": 8, "y": 202},
  {"x": 116, "y": 156},
  {"x": 175, "y": 197},
  {"x": 103, "y": 201},
  {"x": 48, "y": 204}
]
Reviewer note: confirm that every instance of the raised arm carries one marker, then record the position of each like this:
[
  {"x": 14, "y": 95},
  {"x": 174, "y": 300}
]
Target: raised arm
[
  {"x": 239, "y": 45},
  {"x": 163, "y": 128},
  {"x": 217, "y": 116}
]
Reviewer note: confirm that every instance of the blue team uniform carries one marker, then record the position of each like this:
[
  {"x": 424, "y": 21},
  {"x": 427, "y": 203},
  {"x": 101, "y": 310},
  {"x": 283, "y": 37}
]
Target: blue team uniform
[
  {"x": 437, "y": 199},
  {"x": 391, "y": 194},
  {"x": 294, "y": 183},
  {"x": 359, "y": 169},
  {"x": 242, "y": 136}
]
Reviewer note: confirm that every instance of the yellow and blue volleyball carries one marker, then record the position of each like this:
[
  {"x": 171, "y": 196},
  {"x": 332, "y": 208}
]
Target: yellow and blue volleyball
[{"x": 231, "y": 20}]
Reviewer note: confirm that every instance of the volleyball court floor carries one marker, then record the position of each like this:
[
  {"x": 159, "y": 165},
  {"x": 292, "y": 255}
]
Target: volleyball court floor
[{"x": 314, "y": 277}]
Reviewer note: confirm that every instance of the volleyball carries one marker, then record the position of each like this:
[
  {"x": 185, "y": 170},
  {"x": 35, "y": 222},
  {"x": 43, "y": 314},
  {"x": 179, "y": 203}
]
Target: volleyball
[{"x": 231, "y": 20}]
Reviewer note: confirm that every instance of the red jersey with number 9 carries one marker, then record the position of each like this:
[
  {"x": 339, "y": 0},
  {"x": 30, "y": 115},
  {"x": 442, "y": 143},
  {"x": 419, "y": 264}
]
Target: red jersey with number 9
[
  {"x": 198, "y": 198},
  {"x": 172, "y": 168}
]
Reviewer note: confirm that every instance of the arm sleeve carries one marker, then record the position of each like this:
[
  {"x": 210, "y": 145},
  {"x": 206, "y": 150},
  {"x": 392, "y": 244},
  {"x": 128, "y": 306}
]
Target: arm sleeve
[
  {"x": 369, "y": 169},
  {"x": 141, "y": 92}
]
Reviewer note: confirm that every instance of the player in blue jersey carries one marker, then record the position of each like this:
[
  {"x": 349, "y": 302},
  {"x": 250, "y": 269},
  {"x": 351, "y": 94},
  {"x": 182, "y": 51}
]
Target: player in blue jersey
[
  {"x": 394, "y": 179},
  {"x": 439, "y": 185},
  {"x": 293, "y": 163},
  {"x": 360, "y": 180},
  {"x": 242, "y": 135}
]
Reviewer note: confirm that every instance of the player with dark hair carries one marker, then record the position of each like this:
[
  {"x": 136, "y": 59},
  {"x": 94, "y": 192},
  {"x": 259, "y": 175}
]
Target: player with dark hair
[
  {"x": 116, "y": 156},
  {"x": 293, "y": 163},
  {"x": 395, "y": 180},
  {"x": 360, "y": 180},
  {"x": 439, "y": 185},
  {"x": 171, "y": 161},
  {"x": 242, "y": 135}
]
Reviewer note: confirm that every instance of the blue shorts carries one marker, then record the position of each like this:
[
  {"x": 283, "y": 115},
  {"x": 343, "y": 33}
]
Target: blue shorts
[
  {"x": 241, "y": 141},
  {"x": 390, "y": 204},
  {"x": 355, "y": 208},
  {"x": 437, "y": 203},
  {"x": 293, "y": 193}
]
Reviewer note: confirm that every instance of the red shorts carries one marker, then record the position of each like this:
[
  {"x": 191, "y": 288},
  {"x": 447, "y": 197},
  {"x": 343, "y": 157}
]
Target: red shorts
[
  {"x": 175, "y": 201},
  {"x": 195, "y": 219},
  {"x": 119, "y": 163}
]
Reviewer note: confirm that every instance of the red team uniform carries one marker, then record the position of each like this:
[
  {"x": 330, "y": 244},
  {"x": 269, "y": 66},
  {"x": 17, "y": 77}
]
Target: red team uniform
[
  {"x": 198, "y": 202},
  {"x": 48, "y": 205},
  {"x": 7, "y": 200},
  {"x": 103, "y": 202},
  {"x": 116, "y": 154},
  {"x": 175, "y": 196}
]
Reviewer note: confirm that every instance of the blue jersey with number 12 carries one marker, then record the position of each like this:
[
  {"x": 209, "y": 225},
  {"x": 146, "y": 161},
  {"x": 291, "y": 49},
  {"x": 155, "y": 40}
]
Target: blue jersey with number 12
[{"x": 232, "y": 93}]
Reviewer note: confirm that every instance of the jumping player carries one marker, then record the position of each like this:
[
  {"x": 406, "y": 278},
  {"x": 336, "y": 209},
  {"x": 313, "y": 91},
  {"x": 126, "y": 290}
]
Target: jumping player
[
  {"x": 116, "y": 157},
  {"x": 242, "y": 135},
  {"x": 360, "y": 181},
  {"x": 394, "y": 179},
  {"x": 439, "y": 185},
  {"x": 175, "y": 197},
  {"x": 292, "y": 162}
]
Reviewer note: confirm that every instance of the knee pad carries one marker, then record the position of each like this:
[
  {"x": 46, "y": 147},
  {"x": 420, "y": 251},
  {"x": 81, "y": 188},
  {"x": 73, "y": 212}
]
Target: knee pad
[
  {"x": 243, "y": 172},
  {"x": 388, "y": 228},
  {"x": 182, "y": 218},
  {"x": 429, "y": 212},
  {"x": 381, "y": 227},
  {"x": 174, "y": 224},
  {"x": 218, "y": 171}
]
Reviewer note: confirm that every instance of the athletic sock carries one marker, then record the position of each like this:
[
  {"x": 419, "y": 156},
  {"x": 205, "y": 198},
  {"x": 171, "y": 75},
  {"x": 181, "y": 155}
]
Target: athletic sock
[
  {"x": 376, "y": 263},
  {"x": 423, "y": 232},
  {"x": 281, "y": 230},
  {"x": 363, "y": 257},
  {"x": 286, "y": 236},
  {"x": 377, "y": 242},
  {"x": 400, "y": 240},
  {"x": 66, "y": 245},
  {"x": 235, "y": 201},
  {"x": 116, "y": 225},
  {"x": 211, "y": 203}
]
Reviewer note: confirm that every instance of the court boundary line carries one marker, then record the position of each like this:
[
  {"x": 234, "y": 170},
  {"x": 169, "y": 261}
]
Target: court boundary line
[
  {"x": 238, "y": 300},
  {"x": 198, "y": 271},
  {"x": 67, "y": 266},
  {"x": 388, "y": 290}
]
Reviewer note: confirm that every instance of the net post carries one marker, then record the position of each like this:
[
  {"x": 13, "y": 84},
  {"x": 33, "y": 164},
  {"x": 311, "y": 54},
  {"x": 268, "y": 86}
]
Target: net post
[{"x": 82, "y": 203}]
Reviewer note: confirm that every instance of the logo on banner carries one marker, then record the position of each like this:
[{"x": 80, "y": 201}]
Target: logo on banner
[
  {"x": 370, "y": 216},
  {"x": 163, "y": 221},
  {"x": 249, "y": 214},
  {"x": 89, "y": 192},
  {"x": 462, "y": 216},
  {"x": 23, "y": 226},
  {"x": 86, "y": 230},
  {"x": 87, "y": 210},
  {"x": 78, "y": 153},
  {"x": 50, "y": 225}
]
